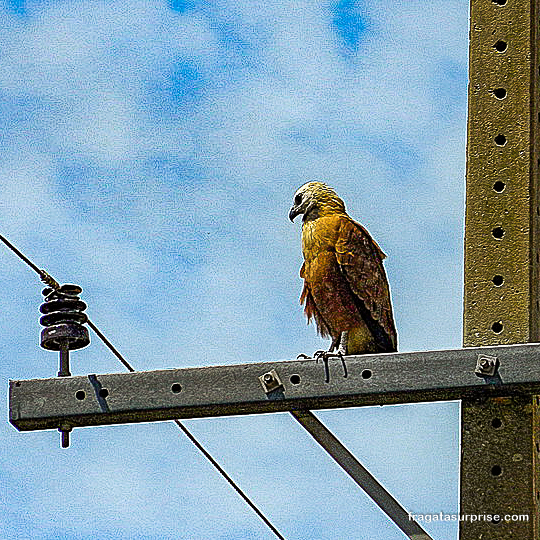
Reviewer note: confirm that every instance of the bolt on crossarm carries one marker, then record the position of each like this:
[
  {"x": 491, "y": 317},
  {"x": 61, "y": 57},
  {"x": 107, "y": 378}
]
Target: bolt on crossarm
[{"x": 499, "y": 453}]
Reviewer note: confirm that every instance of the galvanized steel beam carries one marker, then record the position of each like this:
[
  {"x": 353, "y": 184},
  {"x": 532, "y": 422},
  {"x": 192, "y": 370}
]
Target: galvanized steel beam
[
  {"x": 68, "y": 402},
  {"x": 502, "y": 206}
]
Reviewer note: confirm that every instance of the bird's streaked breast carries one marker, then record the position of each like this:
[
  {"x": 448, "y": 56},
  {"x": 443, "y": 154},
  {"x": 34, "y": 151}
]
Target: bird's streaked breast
[{"x": 319, "y": 235}]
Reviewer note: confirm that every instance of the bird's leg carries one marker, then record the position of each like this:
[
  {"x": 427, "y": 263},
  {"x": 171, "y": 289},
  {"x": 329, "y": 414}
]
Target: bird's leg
[
  {"x": 336, "y": 343},
  {"x": 320, "y": 353},
  {"x": 340, "y": 343},
  {"x": 330, "y": 352},
  {"x": 342, "y": 350},
  {"x": 343, "y": 343}
]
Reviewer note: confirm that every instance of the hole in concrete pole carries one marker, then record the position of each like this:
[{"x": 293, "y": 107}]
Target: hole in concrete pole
[
  {"x": 497, "y": 327},
  {"x": 500, "y": 46},
  {"x": 498, "y": 280},
  {"x": 500, "y": 140},
  {"x": 499, "y": 93},
  {"x": 295, "y": 379},
  {"x": 499, "y": 2},
  {"x": 103, "y": 393},
  {"x": 496, "y": 423},
  {"x": 497, "y": 232},
  {"x": 496, "y": 470},
  {"x": 499, "y": 186},
  {"x": 80, "y": 395},
  {"x": 176, "y": 388},
  {"x": 366, "y": 374}
]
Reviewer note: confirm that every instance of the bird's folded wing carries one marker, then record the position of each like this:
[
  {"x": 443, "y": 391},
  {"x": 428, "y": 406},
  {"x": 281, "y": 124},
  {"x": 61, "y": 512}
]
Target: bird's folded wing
[{"x": 361, "y": 261}]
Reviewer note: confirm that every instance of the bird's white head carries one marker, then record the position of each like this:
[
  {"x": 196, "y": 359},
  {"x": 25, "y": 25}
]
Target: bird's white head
[{"x": 314, "y": 200}]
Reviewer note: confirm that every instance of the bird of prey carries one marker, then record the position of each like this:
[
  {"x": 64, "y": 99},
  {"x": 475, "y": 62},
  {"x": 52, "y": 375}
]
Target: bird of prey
[{"x": 345, "y": 287}]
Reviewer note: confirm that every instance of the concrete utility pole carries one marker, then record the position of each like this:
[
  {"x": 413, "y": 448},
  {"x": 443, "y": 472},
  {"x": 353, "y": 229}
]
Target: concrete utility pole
[{"x": 500, "y": 443}]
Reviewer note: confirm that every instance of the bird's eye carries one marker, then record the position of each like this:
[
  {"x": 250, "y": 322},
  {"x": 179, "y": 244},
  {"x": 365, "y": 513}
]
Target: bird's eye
[{"x": 298, "y": 199}]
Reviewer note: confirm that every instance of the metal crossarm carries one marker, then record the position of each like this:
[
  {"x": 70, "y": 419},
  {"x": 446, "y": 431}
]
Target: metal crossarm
[{"x": 70, "y": 402}]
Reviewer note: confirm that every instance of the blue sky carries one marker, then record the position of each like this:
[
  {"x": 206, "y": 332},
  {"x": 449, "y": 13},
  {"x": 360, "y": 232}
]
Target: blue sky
[{"x": 150, "y": 152}]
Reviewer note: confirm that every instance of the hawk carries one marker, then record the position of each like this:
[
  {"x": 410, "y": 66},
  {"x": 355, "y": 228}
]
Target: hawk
[{"x": 345, "y": 289}]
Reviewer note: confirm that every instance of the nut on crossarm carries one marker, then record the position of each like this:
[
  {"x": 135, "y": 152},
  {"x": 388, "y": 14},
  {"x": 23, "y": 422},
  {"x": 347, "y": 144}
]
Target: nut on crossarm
[
  {"x": 270, "y": 381},
  {"x": 486, "y": 365},
  {"x": 64, "y": 430}
]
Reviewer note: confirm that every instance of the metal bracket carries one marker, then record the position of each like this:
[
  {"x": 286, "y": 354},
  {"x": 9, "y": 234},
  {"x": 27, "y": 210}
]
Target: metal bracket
[
  {"x": 270, "y": 381},
  {"x": 486, "y": 366},
  {"x": 365, "y": 480}
]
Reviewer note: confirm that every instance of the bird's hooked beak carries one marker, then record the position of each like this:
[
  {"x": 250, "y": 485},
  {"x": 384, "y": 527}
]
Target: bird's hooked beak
[{"x": 294, "y": 212}]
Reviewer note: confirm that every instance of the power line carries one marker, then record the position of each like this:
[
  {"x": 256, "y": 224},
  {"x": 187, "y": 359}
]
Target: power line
[
  {"x": 51, "y": 282},
  {"x": 44, "y": 276},
  {"x": 229, "y": 479},
  {"x": 111, "y": 347},
  {"x": 197, "y": 444}
]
